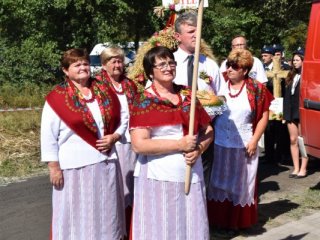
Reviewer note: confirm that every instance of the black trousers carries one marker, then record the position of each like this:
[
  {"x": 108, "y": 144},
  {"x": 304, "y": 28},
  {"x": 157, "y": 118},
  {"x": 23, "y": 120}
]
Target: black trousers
[
  {"x": 207, "y": 162},
  {"x": 276, "y": 142}
]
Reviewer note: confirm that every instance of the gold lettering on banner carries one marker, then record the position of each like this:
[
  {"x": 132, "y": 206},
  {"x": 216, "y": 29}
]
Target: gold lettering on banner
[{"x": 184, "y": 4}]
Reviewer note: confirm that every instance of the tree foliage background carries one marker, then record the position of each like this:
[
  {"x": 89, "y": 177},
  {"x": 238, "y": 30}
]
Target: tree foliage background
[{"x": 34, "y": 33}]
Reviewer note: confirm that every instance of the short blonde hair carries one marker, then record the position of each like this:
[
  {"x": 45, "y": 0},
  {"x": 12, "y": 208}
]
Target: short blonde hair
[
  {"x": 111, "y": 52},
  {"x": 242, "y": 57}
]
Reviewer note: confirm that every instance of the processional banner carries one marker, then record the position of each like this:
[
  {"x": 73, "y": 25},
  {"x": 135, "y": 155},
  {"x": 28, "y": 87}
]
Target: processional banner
[{"x": 182, "y": 4}]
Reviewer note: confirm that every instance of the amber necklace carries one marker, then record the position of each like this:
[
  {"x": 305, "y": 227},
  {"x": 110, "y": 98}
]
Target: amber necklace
[
  {"x": 238, "y": 93},
  {"x": 158, "y": 95}
]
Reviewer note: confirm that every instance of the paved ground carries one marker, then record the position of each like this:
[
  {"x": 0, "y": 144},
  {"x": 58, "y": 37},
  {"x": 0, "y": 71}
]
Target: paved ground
[
  {"x": 25, "y": 207},
  {"x": 276, "y": 221},
  {"x": 25, "y": 210}
]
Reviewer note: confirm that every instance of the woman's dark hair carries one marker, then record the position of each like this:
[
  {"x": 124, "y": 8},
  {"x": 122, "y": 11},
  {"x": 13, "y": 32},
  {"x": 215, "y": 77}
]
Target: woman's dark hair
[
  {"x": 73, "y": 55},
  {"x": 293, "y": 70},
  {"x": 150, "y": 58}
]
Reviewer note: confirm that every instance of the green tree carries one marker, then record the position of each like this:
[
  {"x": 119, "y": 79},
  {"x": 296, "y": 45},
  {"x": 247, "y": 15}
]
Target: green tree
[
  {"x": 262, "y": 22},
  {"x": 46, "y": 28},
  {"x": 33, "y": 33}
]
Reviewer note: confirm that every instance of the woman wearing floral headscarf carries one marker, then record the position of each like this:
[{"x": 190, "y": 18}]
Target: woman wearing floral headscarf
[
  {"x": 159, "y": 126},
  {"x": 78, "y": 130},
  {"x": 112, "y": 75}
]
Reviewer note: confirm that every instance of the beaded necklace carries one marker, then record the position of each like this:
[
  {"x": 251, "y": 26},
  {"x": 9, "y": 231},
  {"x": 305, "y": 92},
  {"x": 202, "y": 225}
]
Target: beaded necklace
[
  {"x": 87, "y": 100},
  {"x": 107, "y": 78},
  {"x": 238, "y": 93},
  {"x": 116, "y": 90}
]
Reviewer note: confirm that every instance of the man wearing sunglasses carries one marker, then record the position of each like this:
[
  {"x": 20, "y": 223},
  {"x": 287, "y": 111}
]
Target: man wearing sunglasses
[{"x": 257, "y": 71}]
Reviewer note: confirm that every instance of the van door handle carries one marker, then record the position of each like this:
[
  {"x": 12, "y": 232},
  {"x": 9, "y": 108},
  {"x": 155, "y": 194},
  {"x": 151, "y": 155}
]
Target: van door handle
[{"x": 307, "y": 103}]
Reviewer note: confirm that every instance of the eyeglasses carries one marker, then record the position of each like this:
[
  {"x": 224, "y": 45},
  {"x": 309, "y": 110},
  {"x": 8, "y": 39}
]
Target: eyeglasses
[
  {"x": 233, "y": 65},
  {"x": 163, "y": 65},
  {"x": 240, "y": 45}
]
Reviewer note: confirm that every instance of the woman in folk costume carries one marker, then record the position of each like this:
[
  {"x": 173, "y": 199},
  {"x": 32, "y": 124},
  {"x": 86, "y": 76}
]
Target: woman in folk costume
[
  {"x": 232, "y": 192},
  {"x": 79, "y": 128},
  {"x": 158, "y": 127},
  {"x": 112, "y": 74}
]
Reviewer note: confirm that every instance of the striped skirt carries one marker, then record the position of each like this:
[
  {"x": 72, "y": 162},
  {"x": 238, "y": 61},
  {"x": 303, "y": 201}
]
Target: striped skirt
[
  {"x": 127, "y": 159},
  {"x": 90, "y": 205},
  {"x": 162, "y": 210}
]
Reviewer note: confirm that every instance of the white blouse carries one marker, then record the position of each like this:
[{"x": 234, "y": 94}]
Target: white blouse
[
  {"x": 169, "y": 167},
  {"x": 125, "y": 138},
  {"x": 234, "y": 127},
  {"x": 60, "y": 143},
  {"x": 296, "y": 80}
]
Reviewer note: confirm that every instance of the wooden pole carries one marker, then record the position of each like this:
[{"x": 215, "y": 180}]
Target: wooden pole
[{"x": 194, "y": 89}]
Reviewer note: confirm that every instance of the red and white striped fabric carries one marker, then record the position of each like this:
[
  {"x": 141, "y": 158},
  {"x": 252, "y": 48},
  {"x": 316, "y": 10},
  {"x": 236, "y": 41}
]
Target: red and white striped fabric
[{"x": 162, "y": 211}]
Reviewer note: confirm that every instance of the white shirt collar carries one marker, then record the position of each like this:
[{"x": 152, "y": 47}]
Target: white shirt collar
[
  {"x": 270, "y": 66},
  {"x": 181, "y": 55}
]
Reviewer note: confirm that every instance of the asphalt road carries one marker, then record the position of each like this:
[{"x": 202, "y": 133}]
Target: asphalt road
[
  {"x": 25, "y": 210},
  {"x": 25, "y": 207}
]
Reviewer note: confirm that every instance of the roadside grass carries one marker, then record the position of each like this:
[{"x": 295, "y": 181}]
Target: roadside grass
[
  {"x": 307, "y": 200},
  {"x": 22, "y": 96},
  {"x": 20, "y": 144}
]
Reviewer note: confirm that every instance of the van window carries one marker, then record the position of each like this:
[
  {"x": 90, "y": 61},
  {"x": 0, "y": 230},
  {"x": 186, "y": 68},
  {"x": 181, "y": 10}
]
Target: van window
[{"x": 95, "y": 60}]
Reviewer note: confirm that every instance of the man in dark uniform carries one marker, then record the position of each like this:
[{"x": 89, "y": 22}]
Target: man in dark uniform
[
  {"x": 279, "y": 51},
  {"x": 276, "y": 136},
  {"x": 267, "y": 53}
]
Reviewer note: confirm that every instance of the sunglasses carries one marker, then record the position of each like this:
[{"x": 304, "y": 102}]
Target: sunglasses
[{"x": 233, "y": 65}]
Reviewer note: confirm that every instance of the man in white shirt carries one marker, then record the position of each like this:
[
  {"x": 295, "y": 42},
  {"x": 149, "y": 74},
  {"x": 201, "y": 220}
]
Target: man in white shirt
[
  {"x": 186, "y": 28},
  {"x": 257, "y": 71}
]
